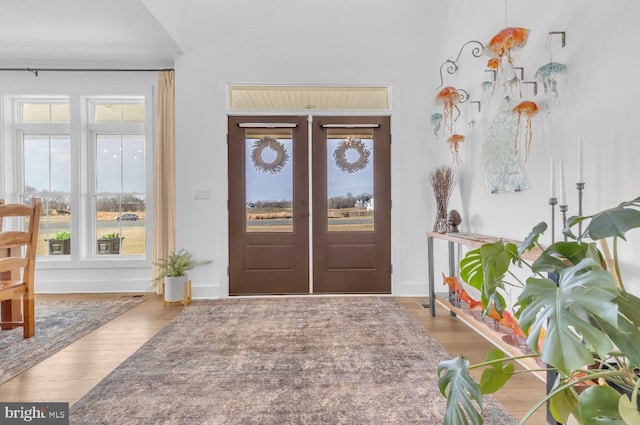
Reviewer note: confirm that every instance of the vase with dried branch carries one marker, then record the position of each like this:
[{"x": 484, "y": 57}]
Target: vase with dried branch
[{"x": 443, "y": 179}]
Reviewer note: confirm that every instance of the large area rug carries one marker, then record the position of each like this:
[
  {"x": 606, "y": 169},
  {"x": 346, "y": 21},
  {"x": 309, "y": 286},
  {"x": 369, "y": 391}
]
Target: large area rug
[
  {"x": 58, "y": 324},
  {"x": 325, "y": 360}
]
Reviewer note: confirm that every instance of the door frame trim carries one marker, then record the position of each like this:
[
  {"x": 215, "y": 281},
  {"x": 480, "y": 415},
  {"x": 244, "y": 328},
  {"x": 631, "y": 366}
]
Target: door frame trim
[{"x": 310, "y": 189}]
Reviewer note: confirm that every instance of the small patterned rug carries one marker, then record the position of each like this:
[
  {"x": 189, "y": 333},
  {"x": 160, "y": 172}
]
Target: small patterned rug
[
  {"x": 308, "y": 360},
  {"x": 58, "y": 324}
]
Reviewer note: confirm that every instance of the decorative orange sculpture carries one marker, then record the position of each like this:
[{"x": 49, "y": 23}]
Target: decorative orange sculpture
[
  {"x": 506, "y": 40},
  {"x": 529, "y": 110},
  {"x": 541, "y": 338},
  {"x": 493, "y": 63},
  {"x": 456, "y": 287},
  {"x": 448, "y": 97},
  {"x": 507, "y": 320}
]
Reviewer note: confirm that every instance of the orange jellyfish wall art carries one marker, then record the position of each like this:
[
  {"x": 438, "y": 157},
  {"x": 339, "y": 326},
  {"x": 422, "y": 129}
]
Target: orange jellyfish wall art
[
  {"x": 505, "y": 41},
  {"x": 501, "y": 45},
  {"x": 528, "y": 109},
  {"x": 448, "y": 97},
  {"x": 454, "y": 144}
]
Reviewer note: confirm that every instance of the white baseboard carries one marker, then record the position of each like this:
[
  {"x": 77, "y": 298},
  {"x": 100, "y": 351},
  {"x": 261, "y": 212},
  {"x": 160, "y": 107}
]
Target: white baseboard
[
  {"x": 411, "y": 289},
  {"x": 199, "y": 291},
  {"x": 78, "y": 287}
]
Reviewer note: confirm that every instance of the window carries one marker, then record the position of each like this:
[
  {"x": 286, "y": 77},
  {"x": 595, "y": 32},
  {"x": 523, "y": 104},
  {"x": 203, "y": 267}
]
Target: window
[
  {"x": 116, "y": 128},
  {"x": 303, "y": 98},
  {"x": 120, "y": 194},
  {"x": 34, "y": 112},
  {"x": 46, "y": 168},
  {"x": 119, "y": 112},
  {"x": 91, "y": 173}
]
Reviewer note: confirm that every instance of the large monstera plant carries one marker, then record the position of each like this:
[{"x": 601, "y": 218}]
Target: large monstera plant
[{"x": 590, "y": 323}]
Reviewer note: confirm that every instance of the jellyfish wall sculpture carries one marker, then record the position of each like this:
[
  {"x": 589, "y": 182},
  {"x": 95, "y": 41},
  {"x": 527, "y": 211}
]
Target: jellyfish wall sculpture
[{"x": 548, "y": 75}]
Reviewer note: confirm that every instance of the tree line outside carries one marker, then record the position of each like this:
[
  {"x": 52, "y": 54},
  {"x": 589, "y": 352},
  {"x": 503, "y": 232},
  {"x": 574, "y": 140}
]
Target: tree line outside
[
  {"x": 60, "y": 202},
  {"x": 335, "y": 202}
]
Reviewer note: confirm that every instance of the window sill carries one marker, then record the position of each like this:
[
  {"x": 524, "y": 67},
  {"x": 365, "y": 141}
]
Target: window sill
[{"x": 110, "y": 261}]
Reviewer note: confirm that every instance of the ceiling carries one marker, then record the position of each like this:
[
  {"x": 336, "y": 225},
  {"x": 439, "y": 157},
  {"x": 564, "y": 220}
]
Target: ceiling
[
  {"x": 152, "y": 32},
  {"x": 147, "y": 34},
  {"x": 91, "y": 33}
]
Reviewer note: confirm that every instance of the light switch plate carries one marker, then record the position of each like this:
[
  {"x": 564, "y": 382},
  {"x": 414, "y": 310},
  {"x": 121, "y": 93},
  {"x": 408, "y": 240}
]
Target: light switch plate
[{"x": 200, "y": 193}]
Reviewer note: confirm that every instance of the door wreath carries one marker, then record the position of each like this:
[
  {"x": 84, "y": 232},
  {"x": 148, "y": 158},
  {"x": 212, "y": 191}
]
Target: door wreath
[
  {"x": 279, "y": 161},
  {"x": 341, "y": 158}
]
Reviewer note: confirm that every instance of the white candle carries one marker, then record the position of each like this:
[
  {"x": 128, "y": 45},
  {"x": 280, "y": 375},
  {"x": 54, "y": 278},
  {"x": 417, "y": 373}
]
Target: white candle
[
  {"x": 552, "y": 191},
  {"x": 580, "y": 166},
  {"x": 563, "y": 191}
]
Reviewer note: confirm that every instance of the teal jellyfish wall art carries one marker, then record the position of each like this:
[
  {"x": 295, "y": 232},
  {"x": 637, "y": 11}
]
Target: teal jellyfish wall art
[{"x": 549, "y": 75}]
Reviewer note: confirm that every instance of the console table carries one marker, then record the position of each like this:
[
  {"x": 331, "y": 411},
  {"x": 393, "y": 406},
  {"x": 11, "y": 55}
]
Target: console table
[{"x": 449, "y": 301}]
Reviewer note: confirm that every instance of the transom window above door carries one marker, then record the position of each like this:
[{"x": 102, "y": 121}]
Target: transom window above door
[{"x": 311, "y": 98}]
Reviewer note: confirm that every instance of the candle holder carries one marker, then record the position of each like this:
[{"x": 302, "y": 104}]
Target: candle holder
[
  {"x": 553, "y": 202},
  {"x": 563, "y": 211},
  {"x": 580, "y": 187}
]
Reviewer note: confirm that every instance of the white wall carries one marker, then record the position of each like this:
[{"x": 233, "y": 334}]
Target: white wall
[
  {"x": 404, "y": 45},
  {"x": 383, "y": 44},
  {"x": 598, "y": 103}
]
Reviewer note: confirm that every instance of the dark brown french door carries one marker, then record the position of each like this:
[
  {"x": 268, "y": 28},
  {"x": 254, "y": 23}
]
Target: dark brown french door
[
  {"x": 268, "y": 205},
  {"x": 270, "y": 189},
  {"x": 352, "y": 205}
]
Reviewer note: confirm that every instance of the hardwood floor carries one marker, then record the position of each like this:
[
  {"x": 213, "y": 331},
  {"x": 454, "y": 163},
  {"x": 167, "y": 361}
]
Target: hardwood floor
[
  {"x": 71, "y": 372},
  {"x": 67, "y": 375},
  {"x": 522, "y": 390}
]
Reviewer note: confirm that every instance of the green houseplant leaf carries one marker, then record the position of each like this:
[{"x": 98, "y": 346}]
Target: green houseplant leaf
[
  {"x": 532, "y": 239},
  {"x": 484, "y": 269},
  {"x": 494, "y": 377},
  {"x": 552, "y": 259},
  {"x": 628, "y": 411},
  {"x": 627, "y": 334},
  {"x": 462, "y": 392},
  {"x": 598, "y": 405},
  {"x": 62, "y": 236},
  {"x": 563, "y": 404},
  {"x": 471, "y": 269},
  {"x": 584, "y": 314},
  {"x": 175, "y": 265},
  {"x": 585, "y": 291},
  {"x": 611, "y": 222}
]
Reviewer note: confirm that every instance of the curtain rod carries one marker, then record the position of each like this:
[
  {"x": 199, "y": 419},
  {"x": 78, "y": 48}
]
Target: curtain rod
[{"x": 36, "y": 70}]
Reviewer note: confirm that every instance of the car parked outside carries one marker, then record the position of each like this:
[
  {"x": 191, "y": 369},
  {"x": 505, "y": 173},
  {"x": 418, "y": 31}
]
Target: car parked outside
[{"x": 132, "y": 217}]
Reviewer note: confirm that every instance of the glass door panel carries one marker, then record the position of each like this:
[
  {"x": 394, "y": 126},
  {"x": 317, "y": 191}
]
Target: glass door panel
[
  {"x": 350, "y": 182},
  {"x": 269, "y": 181}
]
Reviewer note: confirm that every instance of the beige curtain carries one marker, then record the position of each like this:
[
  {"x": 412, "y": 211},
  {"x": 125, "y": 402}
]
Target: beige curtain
[{"x": 164, "y": 216}]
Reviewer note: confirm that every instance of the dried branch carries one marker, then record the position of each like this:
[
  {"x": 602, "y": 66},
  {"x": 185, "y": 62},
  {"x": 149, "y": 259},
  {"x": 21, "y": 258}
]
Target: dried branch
[{"x": 443, "y": 179}]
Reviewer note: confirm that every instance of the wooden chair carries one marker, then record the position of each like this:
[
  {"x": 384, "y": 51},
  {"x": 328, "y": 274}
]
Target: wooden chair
[{"x": 17, "y": 265}]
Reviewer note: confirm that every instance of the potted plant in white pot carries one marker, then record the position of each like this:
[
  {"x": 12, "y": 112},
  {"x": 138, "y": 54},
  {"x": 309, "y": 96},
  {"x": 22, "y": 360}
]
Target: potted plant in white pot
[
  {"x": 590, "y": 321},
  {"x": 172, "y": 271}
]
